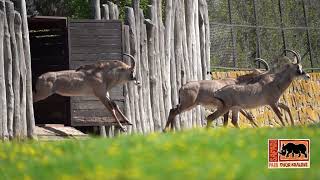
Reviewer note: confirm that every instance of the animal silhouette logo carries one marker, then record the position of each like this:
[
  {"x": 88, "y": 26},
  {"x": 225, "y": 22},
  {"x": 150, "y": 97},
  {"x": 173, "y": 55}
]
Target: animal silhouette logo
[
  {"x": 293, "y": 149},
  {"x": 289, "y": 153}
]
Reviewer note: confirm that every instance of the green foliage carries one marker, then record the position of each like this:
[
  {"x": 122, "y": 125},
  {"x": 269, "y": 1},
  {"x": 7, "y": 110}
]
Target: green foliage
[
  {"x": 79, "y": 9},
  {"x": 221, "y": 153}
]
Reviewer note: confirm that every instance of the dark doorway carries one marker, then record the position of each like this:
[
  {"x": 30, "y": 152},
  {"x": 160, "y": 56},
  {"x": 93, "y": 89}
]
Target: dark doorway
[{"x": 49, "y": 52}]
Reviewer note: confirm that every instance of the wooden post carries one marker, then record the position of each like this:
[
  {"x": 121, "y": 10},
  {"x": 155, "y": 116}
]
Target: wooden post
[
  {"x": 26, "y": 45},
  {"x": 23, "y": 72},
  {"x": 3, "y": 101},
  {"x": 126, "y": 49},
  {"x": 96, "y": 9},
  {"x": 140, "y": 107},
  {"x": 173, "y": 71},
  {"x": 156, "y": 21},
  {"x": 145, "y": 81},
  {"x": 178, "y": 50},
  {"x": 167, "y": 43},
  {"x": 106, "y": 12},
  {"x": 112, "y": 13},
  {"x": 187, "y": 116},
  {"x": 152, "y": 69},
  {"x": 130, "y": 21},
  {"x": 17, "y": 129},
  {"x": 190, "y": 5}
]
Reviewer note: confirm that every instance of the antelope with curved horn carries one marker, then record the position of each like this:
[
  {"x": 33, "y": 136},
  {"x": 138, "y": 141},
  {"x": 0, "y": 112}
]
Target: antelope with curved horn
[
  {"x": 264, "y": 89},
  {"x": 88, "y": 80},
  {"x": 201, "y": 93}
]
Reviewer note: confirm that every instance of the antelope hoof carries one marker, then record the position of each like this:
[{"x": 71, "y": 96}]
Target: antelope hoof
[
  {"x": 165, "y": 130},
  {"x": 123, "y": 129}
]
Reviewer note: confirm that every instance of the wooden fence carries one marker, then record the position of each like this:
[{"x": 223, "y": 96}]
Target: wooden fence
[
  {"x": 16, "y": 109},
  {"x": 168, "y": 54}
]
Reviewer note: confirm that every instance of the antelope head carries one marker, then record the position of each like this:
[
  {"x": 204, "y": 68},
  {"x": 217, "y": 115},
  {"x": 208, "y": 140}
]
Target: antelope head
[
  {"x": 128, "y": 72},
  {"x": 295, "y": 68}
]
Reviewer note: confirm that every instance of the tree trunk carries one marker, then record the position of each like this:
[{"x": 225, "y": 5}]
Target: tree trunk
[
  {"x": 3, "y": 101},
  {"x": 27, "y": 54},
  {"x": 145, "y": 81},
  {"x": 17, "y": 129},
  {"x": 23, "y": 71}
]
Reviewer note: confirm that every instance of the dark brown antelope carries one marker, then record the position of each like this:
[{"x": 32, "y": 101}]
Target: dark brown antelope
[
  {"x": 88, "y": 80},
  {"x": 264, "y": 89}
]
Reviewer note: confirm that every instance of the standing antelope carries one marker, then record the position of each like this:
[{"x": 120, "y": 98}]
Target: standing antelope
[
  {"x": 265, "y": 89},
  {"x": 201, "y": 92},
  {"x": 88, "y": 80}
]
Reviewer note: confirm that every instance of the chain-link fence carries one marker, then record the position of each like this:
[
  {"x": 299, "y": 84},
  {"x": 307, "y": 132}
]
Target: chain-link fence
[{"x": 245, "y": 29}]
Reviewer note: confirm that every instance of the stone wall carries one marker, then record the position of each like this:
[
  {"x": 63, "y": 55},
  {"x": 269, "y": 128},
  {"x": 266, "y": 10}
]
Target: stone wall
[{"x": 303, "y": 98}]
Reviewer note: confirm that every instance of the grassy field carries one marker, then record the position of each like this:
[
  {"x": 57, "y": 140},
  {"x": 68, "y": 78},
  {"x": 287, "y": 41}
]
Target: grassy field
[{"x": 193, "y": 154}]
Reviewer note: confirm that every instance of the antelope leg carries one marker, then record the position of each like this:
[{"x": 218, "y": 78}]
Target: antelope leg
[
  {"x": 225, "y": 119},
  {"x": 249, "y": 116},
  {"x": 219, "y": 112},
  {"x": 116, "y": 107},
  {"x": 108, "y": 104},
  {"x": 278, "y": 113},
  {"x": 173, "y": 113},
  {"x": 235, "y": 118},
  {"x": 286, "y": 108}
]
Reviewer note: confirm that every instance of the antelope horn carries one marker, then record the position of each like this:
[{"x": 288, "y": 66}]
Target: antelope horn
[
  {"x": 133, "y": 63},
  {"x": 264, "y": 62},
  {"x": 295, "y": 53}
]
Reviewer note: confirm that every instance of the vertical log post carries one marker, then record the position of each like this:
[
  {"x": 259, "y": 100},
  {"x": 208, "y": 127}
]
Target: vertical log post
[
  {"x": 106, "y": 12},
  {"x": 129, "y": 20},
  {"x": 139, "y": 99},
  {"x": 126, "y": 49},
  {"x": 26, "y": 45},
  {"x": 145, "y": 81},
  {"x": 167, "y": 51},
  {"x": 23, "y": 72},
  {"x": 154, "y": 95},
  {"x": 155, "y": 18},
  {"x": 3, "y": 101},
  {"x": 17, "y": 129}
]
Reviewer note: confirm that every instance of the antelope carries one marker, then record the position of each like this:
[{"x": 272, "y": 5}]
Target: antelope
[
  {"x": 201, "y": 92},
  {"x": 264, "y": 89},
  {"x": 88, "y": 80}
]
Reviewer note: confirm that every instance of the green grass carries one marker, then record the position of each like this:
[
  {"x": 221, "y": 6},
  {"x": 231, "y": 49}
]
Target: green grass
[{"x": 193, "y": 154}]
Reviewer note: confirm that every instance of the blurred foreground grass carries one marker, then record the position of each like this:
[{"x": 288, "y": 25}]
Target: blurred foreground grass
[{"x": 194, "y": 154}]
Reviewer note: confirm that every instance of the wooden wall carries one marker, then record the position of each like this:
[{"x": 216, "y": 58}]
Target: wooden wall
[{"x": 91, "y": 41}]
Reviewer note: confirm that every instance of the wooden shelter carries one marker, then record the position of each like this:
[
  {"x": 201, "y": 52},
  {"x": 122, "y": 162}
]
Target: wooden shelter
[{"x": 60, "y": 44}]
